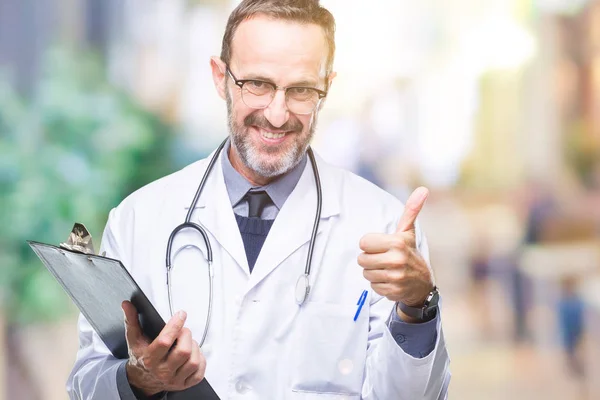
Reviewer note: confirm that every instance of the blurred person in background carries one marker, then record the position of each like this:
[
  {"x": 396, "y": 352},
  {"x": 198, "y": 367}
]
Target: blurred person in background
[
  {"x": 540, "y": 207},
  {"x": 258, "y": 208},
  {"x": 570, "y": 310},
  {"x": 480, "y": 273}
]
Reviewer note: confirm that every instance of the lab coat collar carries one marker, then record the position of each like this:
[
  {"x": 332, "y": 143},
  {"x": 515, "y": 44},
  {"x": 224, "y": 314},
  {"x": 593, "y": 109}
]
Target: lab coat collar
[{"x": 292, "y": 227}]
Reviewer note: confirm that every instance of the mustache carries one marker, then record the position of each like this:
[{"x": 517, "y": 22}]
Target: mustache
[{"x": 258, "y": 120}]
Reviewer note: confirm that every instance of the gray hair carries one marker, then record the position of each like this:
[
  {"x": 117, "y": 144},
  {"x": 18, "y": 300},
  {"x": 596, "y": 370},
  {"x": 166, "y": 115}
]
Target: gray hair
[{"x": 301, "y": 11}]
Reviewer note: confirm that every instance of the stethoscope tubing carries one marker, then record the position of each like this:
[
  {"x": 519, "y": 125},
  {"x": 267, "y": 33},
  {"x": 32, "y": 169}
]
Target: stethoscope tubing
[{"x": 209, "y": 255}]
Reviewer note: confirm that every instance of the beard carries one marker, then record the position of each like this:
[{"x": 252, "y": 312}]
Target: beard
[{"x": 280, "y": 158}]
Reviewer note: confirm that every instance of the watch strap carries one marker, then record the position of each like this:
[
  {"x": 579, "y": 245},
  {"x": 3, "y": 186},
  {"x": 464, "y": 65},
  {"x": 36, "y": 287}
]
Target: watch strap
[{"x": 426, "y": 312}]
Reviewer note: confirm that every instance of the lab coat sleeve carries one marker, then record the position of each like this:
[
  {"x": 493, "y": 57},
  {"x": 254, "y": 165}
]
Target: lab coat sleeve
[
  {"x": 390, "y": 372},
  {"x": 94, "y": 375}
]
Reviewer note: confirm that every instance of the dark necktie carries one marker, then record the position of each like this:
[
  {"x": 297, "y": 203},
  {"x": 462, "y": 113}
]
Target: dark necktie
[{"x": 257, "y": 202}]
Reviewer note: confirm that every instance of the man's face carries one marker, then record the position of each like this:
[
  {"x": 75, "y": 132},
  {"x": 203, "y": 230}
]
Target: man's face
[{"x": 269, "y": 142}]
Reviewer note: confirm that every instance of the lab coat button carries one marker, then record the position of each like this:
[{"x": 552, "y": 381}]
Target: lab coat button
[{"x": 241, "y": 387}]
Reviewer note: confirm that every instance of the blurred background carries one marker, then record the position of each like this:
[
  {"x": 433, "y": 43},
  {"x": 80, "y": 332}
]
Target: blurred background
[{"x": 494, "y": 105}]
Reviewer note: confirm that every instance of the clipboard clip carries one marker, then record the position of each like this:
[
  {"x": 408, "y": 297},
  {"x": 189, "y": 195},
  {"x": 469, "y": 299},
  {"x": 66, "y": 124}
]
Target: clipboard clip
[{"x": 79, "y": 240}]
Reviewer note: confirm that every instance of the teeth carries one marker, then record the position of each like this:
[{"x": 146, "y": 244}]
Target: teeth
[{"x": 271, "y": 135}]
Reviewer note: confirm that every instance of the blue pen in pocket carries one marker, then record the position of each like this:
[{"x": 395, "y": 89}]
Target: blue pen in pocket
[{"x": 361, "y": 302}]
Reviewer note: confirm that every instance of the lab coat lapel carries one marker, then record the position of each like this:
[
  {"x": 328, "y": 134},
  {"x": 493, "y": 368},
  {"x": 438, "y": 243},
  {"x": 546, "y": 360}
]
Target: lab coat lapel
[
  {"x": 294, "y": 223},
  {"x": 215, "y": 213}
]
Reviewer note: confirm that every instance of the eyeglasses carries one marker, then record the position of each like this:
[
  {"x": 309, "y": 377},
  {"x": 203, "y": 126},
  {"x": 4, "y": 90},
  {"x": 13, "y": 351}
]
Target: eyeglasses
[{"x": 259, "y": 94}]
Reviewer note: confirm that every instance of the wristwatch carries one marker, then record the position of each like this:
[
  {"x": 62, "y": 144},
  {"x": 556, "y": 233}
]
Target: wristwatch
[{"x": 427, "y": 311}]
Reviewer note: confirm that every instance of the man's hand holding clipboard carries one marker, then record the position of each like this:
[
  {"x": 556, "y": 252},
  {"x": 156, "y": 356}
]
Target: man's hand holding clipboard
[{"x": 171, "y": 362}]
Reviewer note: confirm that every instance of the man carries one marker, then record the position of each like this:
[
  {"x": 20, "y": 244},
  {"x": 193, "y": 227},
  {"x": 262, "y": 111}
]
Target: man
[{"x": 258, "y": 207}]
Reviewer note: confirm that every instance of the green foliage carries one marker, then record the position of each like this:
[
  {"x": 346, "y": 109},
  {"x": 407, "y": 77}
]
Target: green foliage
[{"x": 69, "y": 154}]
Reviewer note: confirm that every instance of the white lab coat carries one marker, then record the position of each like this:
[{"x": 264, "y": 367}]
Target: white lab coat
[{"x": 261, "y": 344}]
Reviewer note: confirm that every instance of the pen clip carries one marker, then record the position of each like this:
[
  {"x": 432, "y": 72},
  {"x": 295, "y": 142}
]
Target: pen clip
[{"x": 362, "y": 298}]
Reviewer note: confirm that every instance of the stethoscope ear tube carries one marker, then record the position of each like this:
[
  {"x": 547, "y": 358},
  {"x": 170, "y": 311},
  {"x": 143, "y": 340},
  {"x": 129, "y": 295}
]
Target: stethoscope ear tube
[
  {"x": 188, "y": 217},
  {"x": 197, "y": 228},
  {"x": 303, "y": 283},
  {"x": 209, "y": 259},
  {"x": 212, "y": 162}
]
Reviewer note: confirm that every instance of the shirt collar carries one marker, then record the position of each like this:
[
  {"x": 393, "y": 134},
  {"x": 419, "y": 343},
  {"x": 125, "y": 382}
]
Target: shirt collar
[{"x": 278, "y": 190}]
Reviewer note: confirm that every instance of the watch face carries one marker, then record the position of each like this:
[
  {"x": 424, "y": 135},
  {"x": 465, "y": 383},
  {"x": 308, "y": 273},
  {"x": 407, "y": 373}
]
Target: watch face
[
  {"x": 430, "y": 310},
  {"x": 433, "y": 301}
]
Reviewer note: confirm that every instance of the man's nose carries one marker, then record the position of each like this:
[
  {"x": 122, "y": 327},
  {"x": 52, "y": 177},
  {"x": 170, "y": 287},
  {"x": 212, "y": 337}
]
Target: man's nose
[{"x": 277, "y": 113}]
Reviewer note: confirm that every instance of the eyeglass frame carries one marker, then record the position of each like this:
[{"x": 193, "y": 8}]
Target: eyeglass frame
[{"x": 240, "y": 83}]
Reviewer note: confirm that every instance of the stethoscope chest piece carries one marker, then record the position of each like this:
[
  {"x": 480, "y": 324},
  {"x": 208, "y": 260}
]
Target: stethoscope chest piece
[{"x": 302, "y": 289}]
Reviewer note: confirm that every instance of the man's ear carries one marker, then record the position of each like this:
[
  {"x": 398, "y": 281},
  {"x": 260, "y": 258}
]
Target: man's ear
[
  {"x": 332, "y": 75},
  {"x": 330, "y": 78},
  {"x": 218, "y": 69}
]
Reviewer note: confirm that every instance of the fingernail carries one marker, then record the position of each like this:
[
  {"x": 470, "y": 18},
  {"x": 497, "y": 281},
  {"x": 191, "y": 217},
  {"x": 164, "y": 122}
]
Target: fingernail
[
  {"x": 125, "y": 317},
  {"x": 181, "y": 315}
]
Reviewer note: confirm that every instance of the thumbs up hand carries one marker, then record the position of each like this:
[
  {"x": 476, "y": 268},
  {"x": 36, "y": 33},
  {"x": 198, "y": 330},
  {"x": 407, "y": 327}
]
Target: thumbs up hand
[{"x": 393, "y": 264}]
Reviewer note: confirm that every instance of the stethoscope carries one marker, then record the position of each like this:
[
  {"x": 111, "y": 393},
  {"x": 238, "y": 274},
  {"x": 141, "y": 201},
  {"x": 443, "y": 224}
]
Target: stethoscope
[{"x": 302, "y": 285}]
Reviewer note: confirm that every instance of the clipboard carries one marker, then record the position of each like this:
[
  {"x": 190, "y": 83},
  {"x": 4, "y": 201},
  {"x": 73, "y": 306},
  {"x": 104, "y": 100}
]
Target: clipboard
[{"x": 98, "y": 285}]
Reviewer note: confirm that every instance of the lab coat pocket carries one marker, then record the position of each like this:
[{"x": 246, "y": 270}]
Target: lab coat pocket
[{"x": 329, "y": 351}]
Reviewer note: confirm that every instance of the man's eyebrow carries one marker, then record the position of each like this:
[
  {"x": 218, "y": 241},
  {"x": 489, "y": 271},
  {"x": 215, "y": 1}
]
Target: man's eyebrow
[
  {"x": 304, "y": 83},
  {"x": 259, "y": 77}
]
